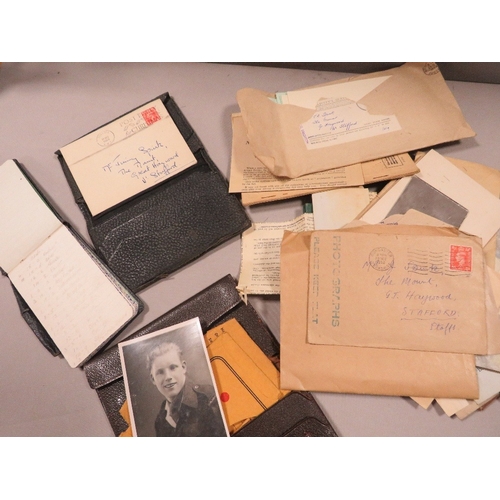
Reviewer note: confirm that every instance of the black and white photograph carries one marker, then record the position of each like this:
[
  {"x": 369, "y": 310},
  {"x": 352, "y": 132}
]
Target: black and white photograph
[{"x": 171, "y": 391}]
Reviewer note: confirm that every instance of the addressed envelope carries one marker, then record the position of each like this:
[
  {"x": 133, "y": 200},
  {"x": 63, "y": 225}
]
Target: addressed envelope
[
  {"x": 251, "y": 177},
  {"x": 398, "y": 288},
  {"x": 352, "y": 120},
  {"x": 127, "y": 156},
  {"x": 360, "y": 370}
]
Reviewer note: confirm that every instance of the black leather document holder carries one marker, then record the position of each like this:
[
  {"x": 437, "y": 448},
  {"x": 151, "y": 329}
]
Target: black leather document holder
[
  {"x": 158, "y": 231},
  {"x": 62, "y": 287},
  {"x": 297, "y": 414}
]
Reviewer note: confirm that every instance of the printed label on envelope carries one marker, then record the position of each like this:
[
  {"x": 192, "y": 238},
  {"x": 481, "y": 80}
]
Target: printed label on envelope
[
  {"x": 401, "y": 291},
  {"x": 338, "y": 121},
  {"x": 339, "y": 117}
]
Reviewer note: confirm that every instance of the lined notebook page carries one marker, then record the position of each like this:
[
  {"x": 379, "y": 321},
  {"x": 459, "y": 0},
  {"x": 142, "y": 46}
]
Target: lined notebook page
[
  {"x": 25, "y": 219},
  {"x": 73, "y": 299}
]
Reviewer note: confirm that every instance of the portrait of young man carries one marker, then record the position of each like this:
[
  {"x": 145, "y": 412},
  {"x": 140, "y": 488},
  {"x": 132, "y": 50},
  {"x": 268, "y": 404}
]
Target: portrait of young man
[{"x": 170, "y": 385}]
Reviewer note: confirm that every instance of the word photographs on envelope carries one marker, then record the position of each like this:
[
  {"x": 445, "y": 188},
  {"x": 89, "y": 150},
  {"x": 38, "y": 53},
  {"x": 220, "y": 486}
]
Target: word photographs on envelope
[{"x": 170, "y": 386}]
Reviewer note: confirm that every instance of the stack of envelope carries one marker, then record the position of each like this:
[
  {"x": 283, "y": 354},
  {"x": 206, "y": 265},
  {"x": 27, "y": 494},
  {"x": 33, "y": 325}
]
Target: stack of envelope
[{"x": 397, "y": 293}]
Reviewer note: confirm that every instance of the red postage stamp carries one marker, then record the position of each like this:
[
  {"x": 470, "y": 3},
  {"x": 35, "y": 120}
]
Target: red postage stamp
[
  {"x": 460, "y": 258},
  {"x": 150, "y": 116}
]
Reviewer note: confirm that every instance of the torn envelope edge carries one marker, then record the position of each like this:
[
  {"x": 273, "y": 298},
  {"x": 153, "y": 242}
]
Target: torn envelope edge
[{"x": 357, "y": 370}]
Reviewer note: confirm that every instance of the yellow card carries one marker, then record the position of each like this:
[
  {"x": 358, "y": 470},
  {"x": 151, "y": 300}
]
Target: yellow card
[{"x": 247, "y": 380}]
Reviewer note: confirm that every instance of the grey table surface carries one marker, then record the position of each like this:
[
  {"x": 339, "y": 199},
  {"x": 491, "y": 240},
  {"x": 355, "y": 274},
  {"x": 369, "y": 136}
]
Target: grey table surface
[{"x": 44, "y": 106}]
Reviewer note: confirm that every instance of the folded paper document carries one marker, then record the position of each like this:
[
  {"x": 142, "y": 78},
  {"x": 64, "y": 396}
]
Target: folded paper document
[
  {"x": 361, "y": 370},
  {"x": 352, "y": 120},
  {"x": 419, "y": 288},
  {"x": 260, "y": 254},
  {"x": 337, "y": 207}
]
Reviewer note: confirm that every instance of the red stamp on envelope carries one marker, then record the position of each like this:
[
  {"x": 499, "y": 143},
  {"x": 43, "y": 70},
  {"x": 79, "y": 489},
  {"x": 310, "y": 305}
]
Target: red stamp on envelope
[
  {"x": 460, "y": 258},
  {"x": 150, "y": 116}
]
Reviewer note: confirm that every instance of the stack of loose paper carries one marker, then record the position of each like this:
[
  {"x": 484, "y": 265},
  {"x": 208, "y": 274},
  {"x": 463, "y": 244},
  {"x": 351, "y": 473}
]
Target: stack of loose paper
[
  {"x": 257, "y": 184},
  {"x": 393, "y": 291},
  {"x": 403, "y": 304},
  {"x": 351, "y": 121}
]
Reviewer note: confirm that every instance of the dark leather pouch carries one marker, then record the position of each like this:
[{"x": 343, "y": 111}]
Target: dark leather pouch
[
  {"x": 164, "y": 228},
  {"x": 297, "y": 414}
]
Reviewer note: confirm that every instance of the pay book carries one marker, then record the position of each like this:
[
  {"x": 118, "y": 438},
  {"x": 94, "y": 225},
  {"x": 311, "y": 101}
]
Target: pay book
[{"x": 76, "y": 299}]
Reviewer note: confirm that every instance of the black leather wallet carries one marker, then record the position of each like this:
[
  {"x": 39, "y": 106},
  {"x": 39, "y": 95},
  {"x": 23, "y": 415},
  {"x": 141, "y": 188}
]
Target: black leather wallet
[
  {"x": 171, "y": 224},
  {"x": 297, "y": 414}
]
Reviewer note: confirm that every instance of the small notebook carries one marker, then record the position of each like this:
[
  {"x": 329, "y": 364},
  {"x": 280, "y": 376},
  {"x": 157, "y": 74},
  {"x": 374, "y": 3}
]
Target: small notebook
[{"x": 76, "y": 298}]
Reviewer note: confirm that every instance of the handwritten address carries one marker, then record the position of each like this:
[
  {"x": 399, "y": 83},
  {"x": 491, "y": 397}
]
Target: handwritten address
[
  {"x": 418, "y": 304},
  {"x": 150, "y": 164}
]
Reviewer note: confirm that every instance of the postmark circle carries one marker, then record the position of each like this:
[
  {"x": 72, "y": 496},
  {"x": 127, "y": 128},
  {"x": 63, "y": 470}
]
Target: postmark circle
[
  {"x": 105, "y": 138},
  {"x": 381, "y": 259}
]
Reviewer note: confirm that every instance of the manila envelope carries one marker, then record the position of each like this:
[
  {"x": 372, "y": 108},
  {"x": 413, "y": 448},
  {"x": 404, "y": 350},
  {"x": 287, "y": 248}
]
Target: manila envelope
[
  {"x": 250, "y": 176},
  {"x": 352, "y": 120},
  {"x": 359, "y": 370},
  {"x": 492, "y": 288},
  {"x": 416, "y": 288}
]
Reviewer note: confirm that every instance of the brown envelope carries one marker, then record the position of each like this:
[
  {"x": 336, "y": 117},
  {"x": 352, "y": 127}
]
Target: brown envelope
[
  {"x": 359, "y": 370},
  {"x": 417, "y": 291},
  {"x": 411, "y": 108}
]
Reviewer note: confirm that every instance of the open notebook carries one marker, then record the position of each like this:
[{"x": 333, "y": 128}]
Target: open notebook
[{"x": 76, "y": 298}]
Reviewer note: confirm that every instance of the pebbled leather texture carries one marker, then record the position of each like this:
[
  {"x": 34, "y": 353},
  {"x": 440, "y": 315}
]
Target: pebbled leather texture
[
  {"x": 170, "y": 225},
  {"x": 295, "y": 415}
]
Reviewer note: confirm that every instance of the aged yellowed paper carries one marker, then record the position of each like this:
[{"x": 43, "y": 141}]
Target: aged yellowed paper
[{"x": 260, "y": 254}]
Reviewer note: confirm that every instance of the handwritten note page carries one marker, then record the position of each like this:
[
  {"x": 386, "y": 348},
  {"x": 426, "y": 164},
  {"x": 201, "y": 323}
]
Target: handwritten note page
[
  {"x": 25, "y": 219},
  {"x": 73, "y": 299},
  {"x": 260, "y": 248},
  {"x": 398, "y": 290},
  {"x": 127, "y": 156}
]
